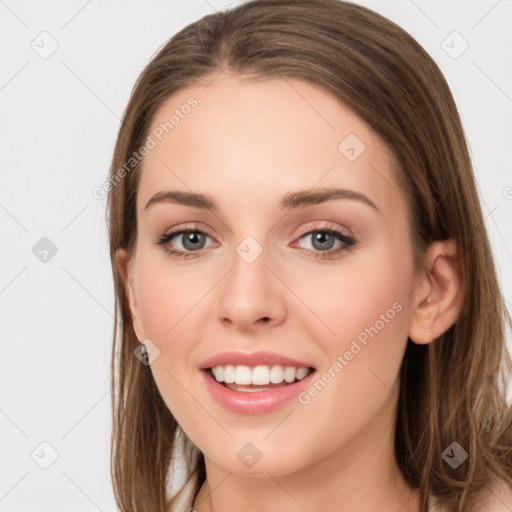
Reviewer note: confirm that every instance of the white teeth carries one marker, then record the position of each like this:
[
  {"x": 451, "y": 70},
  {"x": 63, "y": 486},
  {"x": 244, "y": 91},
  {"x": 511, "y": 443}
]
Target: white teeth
[
  {"x": 289, "y": 374},
  {"x": 260, "y": 375},
  {"x": 301, "y": 373},
  {"x": 218, "y": 373},
  {"x": 243, "y": 375},
  {"x": 229, "y": 374},
  {"x": 276, "y": 374}
]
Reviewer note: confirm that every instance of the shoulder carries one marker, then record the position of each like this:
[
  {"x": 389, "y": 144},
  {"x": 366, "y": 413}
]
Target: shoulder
[{"x": 497, "y": 498}]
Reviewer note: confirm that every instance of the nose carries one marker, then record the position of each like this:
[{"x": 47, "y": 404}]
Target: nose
[{"x": 251, "y": 295}]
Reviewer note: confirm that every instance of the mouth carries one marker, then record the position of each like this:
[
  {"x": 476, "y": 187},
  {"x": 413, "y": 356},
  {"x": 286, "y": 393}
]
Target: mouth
[
  {"x": 255, "y": 383},
  {"x": 257, "y": 378}
]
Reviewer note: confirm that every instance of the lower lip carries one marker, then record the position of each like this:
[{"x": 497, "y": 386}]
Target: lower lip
[{"x": 254, "y": 402}]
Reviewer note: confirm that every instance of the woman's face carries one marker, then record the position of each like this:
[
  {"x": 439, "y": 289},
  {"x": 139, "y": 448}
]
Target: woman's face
[{"x": 260, "y": 285}]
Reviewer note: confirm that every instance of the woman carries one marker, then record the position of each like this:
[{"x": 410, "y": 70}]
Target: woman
[{"x": 308, "y": 310}]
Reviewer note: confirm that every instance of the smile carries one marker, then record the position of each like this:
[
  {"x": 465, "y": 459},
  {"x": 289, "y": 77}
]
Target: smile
[{"x": 253, "y": 384}]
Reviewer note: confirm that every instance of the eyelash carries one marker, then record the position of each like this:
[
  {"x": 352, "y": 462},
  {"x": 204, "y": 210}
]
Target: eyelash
[{"x": 348, "y": 242}]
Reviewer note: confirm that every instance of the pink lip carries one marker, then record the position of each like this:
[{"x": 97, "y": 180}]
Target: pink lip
[
  {"x": 252, "y": 359},
  {"x": 254, "y": 402}
]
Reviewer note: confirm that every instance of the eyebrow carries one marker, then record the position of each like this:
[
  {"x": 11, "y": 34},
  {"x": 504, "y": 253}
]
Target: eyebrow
[{"x": 291, "y": 200}]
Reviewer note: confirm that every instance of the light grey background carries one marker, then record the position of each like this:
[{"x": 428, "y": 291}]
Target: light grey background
[{"x": 59, "y": 119}]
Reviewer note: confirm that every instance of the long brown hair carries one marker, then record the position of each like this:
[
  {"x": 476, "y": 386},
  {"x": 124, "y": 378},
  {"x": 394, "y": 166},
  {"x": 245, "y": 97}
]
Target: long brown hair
[{"x": 452, "y": 389}]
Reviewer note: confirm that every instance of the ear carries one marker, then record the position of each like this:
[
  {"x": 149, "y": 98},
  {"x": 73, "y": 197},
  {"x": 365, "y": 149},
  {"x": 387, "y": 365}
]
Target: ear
[
  {"x": 124, "y": 263},
  {"x": 438, "y": 296}
]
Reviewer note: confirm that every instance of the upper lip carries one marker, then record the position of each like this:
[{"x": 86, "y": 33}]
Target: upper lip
[{"x": 252, "y": 359}]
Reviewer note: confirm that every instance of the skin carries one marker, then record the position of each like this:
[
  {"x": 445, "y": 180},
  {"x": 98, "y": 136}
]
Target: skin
[{"x": 246, "y": 144}]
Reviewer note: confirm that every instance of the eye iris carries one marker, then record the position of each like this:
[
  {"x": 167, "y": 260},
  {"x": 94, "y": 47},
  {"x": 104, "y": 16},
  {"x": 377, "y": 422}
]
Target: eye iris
[
  {"x": 320, "y": 236},
  {"x": 193, "y": 238}
]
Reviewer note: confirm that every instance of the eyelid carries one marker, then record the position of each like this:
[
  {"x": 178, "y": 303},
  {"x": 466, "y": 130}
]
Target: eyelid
[
  {"x": 189, "y": 226},
  {"x": 326, "y": 225}
]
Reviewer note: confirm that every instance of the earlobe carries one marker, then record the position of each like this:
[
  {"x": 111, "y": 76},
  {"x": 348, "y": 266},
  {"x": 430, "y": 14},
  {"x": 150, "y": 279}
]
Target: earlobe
[{"x": 438, "y": 298}]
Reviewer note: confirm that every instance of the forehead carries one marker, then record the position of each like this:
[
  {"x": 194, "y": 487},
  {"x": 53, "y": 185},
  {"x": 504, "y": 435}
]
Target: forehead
[{"x": 237, "y": 136}]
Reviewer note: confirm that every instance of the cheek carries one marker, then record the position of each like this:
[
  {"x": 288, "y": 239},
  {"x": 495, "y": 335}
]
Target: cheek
[
  {"x": 166, "y": 296},
  {"x": 363, "y": 309},
  {"x": 363, "y": 335},
  {"x": 167, "y": 304}
]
